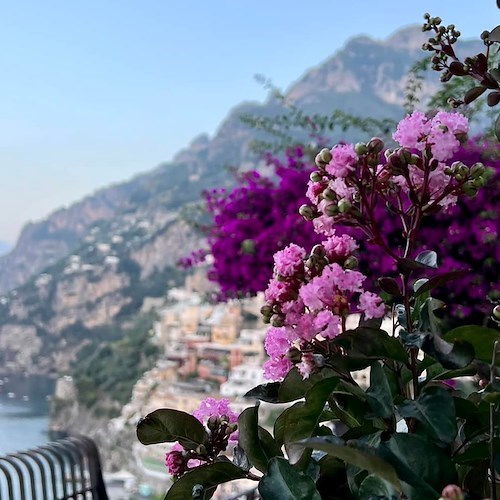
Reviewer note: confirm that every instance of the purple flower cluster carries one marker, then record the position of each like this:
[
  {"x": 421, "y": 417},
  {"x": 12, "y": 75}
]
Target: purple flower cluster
[
  {"x": 259, "y": 217},
  {"x": 253, "y": 221}
]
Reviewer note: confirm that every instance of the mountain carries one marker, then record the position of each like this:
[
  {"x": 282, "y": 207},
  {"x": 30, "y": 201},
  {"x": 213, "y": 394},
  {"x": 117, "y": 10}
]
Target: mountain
[{"x": 79, "y": 275}]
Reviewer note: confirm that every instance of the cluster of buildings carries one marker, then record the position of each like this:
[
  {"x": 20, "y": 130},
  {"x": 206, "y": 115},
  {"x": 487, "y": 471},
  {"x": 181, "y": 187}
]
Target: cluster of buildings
[{"x": 209, "y": 350}]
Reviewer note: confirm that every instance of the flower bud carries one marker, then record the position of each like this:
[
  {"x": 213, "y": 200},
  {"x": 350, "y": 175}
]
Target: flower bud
[
  {"x": 452, "y": 492},
  {"x": 360, "y": 148},
  {"x": 266, "y": 310},
  {"x": 307, "y": 212},
  {"x": 344, "y": 206},
  {"x": 496, "y": 312},
  {"x": 277, "y": 320},
  {"x": 331, "y": 210},
  {"x": 315, "y": 177},
  {"x": 248, "y": 246},
  {"x": 318, "y": 250},
  {"x": 201, "y": 450},
  {"x": 376, "y": 145},
  {"x": 479, "y": 182},
  {"x": 231, "y": 428},
  {"x": 213, "y": 423},
  {"x": 477, "y": 170},
  {"x": 351, "y": 262},
  {"x": 329, "y": 194},
  {"x": 325, "y": 155},
  {"x": 463, "y": 170},
  {"x": 293, "y": 354},
  {"x": 319, "y": 162},
  {"x": 485, "y": 35},
  {"x": 414, "y": 159},
  {"x": 469, "y": 189}
]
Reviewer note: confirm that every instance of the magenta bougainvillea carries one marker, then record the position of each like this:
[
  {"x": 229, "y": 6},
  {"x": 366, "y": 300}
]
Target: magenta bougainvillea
[{"x": 260, "y": 216}]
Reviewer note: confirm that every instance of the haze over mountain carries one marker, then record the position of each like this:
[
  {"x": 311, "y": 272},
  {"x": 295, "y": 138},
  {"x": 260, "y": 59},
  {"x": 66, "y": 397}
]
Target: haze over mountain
[{"x": 88, "y": 267}]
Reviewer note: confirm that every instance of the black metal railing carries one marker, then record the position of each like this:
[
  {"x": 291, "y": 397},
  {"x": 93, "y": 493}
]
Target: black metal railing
[{"x": 60, "y": 470}]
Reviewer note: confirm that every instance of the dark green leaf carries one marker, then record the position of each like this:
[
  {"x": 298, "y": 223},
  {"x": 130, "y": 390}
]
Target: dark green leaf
[
  {"x": 495, "y": 73},
  {"x": 435, "y": 410},
  {"x": 209, "y": 476},
  {"x": 423, "y": 466},
  {"x": 379, "y": 393},
  {"x": 428, "y": 321},
  {"x": 265, "y": 392},
  {"x": 167, "y": 425},
  {"x": 477, "y": 452},
  {"x": 493, "y": 98},
  {"x": 372, "y": 344},
  {"x": 302, "y": 419},
  {"x": 439, "y": 280},
  {"x": 283, "y": 482},
  {"x": 480, "y": 337},
  {"x": 494, "y": 35},
  {"x": 295, "y": 386},
  {"x": 257, "y": 443},
  {"x": 473, "y": 93},
  {"x": 497, "y": 128},
  {"x": 344, "y": 412},
  {"x": 355, "y": 453},
  {"x": 491, "y": 393},
  {"x": 404, "y": 265},
  {"x": 375, "y": 488},
  {"x": 333, "y": 471},
  {"x": 389, "y": 285},
  {"x": 427, "y": 258},
  {"x": 454, "y": 356}
]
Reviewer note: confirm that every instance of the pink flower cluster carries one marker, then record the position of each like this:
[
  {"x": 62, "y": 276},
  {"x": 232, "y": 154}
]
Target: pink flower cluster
[
  {"x": 308, "y": 307},
  {"x": 218, "y": 408},
  {"x": 178, "y": 460},
  {"x": 351, "y": 180},
  {"x": 440, "y": 134}
]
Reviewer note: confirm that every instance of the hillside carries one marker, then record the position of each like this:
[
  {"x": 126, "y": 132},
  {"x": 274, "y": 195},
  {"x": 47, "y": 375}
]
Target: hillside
[{"x": 81, "y": 273}]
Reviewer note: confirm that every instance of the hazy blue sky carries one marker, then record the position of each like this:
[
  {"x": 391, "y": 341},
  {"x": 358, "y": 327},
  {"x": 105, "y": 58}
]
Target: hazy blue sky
[{"x": 95, "y": 91}]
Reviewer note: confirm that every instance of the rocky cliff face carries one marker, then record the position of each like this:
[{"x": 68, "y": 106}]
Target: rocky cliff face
[{"x": 80, "y": 271}]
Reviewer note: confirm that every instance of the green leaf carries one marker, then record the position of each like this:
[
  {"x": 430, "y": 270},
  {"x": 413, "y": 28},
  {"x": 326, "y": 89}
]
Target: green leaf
[
  {"x": 497, "y": 128},
  {"x": 372, "y": 343},
  {"x": 265, "y": 392},
  {"x": 379, "y": 393},
  {"x": 209, "y": 476},
  {"x": 473, "y": 93},
  {"x": 389, "y": 285},
  {"x": 427, "y": 258},
  {"x": 257, "y": 443},
  {"x": 295, "y": 386},
  {"x": 167, "y": 425},
  {"x": 480, "y": 337},
  {"x": 491, "y": 393},
  {"x": 423, "y": 466},
  {"x": 283, "y": 482},
  {"x": 429, "y": 322},
  {"x": 355, "y": 453},
  {"x": 375, "y": 488},
  {"x": 494, "y": 35},
  {"x": 333, "y": 471},
  {"x": 302, "y": 419},
  {"x": 477, "y": 452},
  {"x": 435, "y": 410},
  {"x": 454, "y": 356},
  {"x": 438, "y": 280}
]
